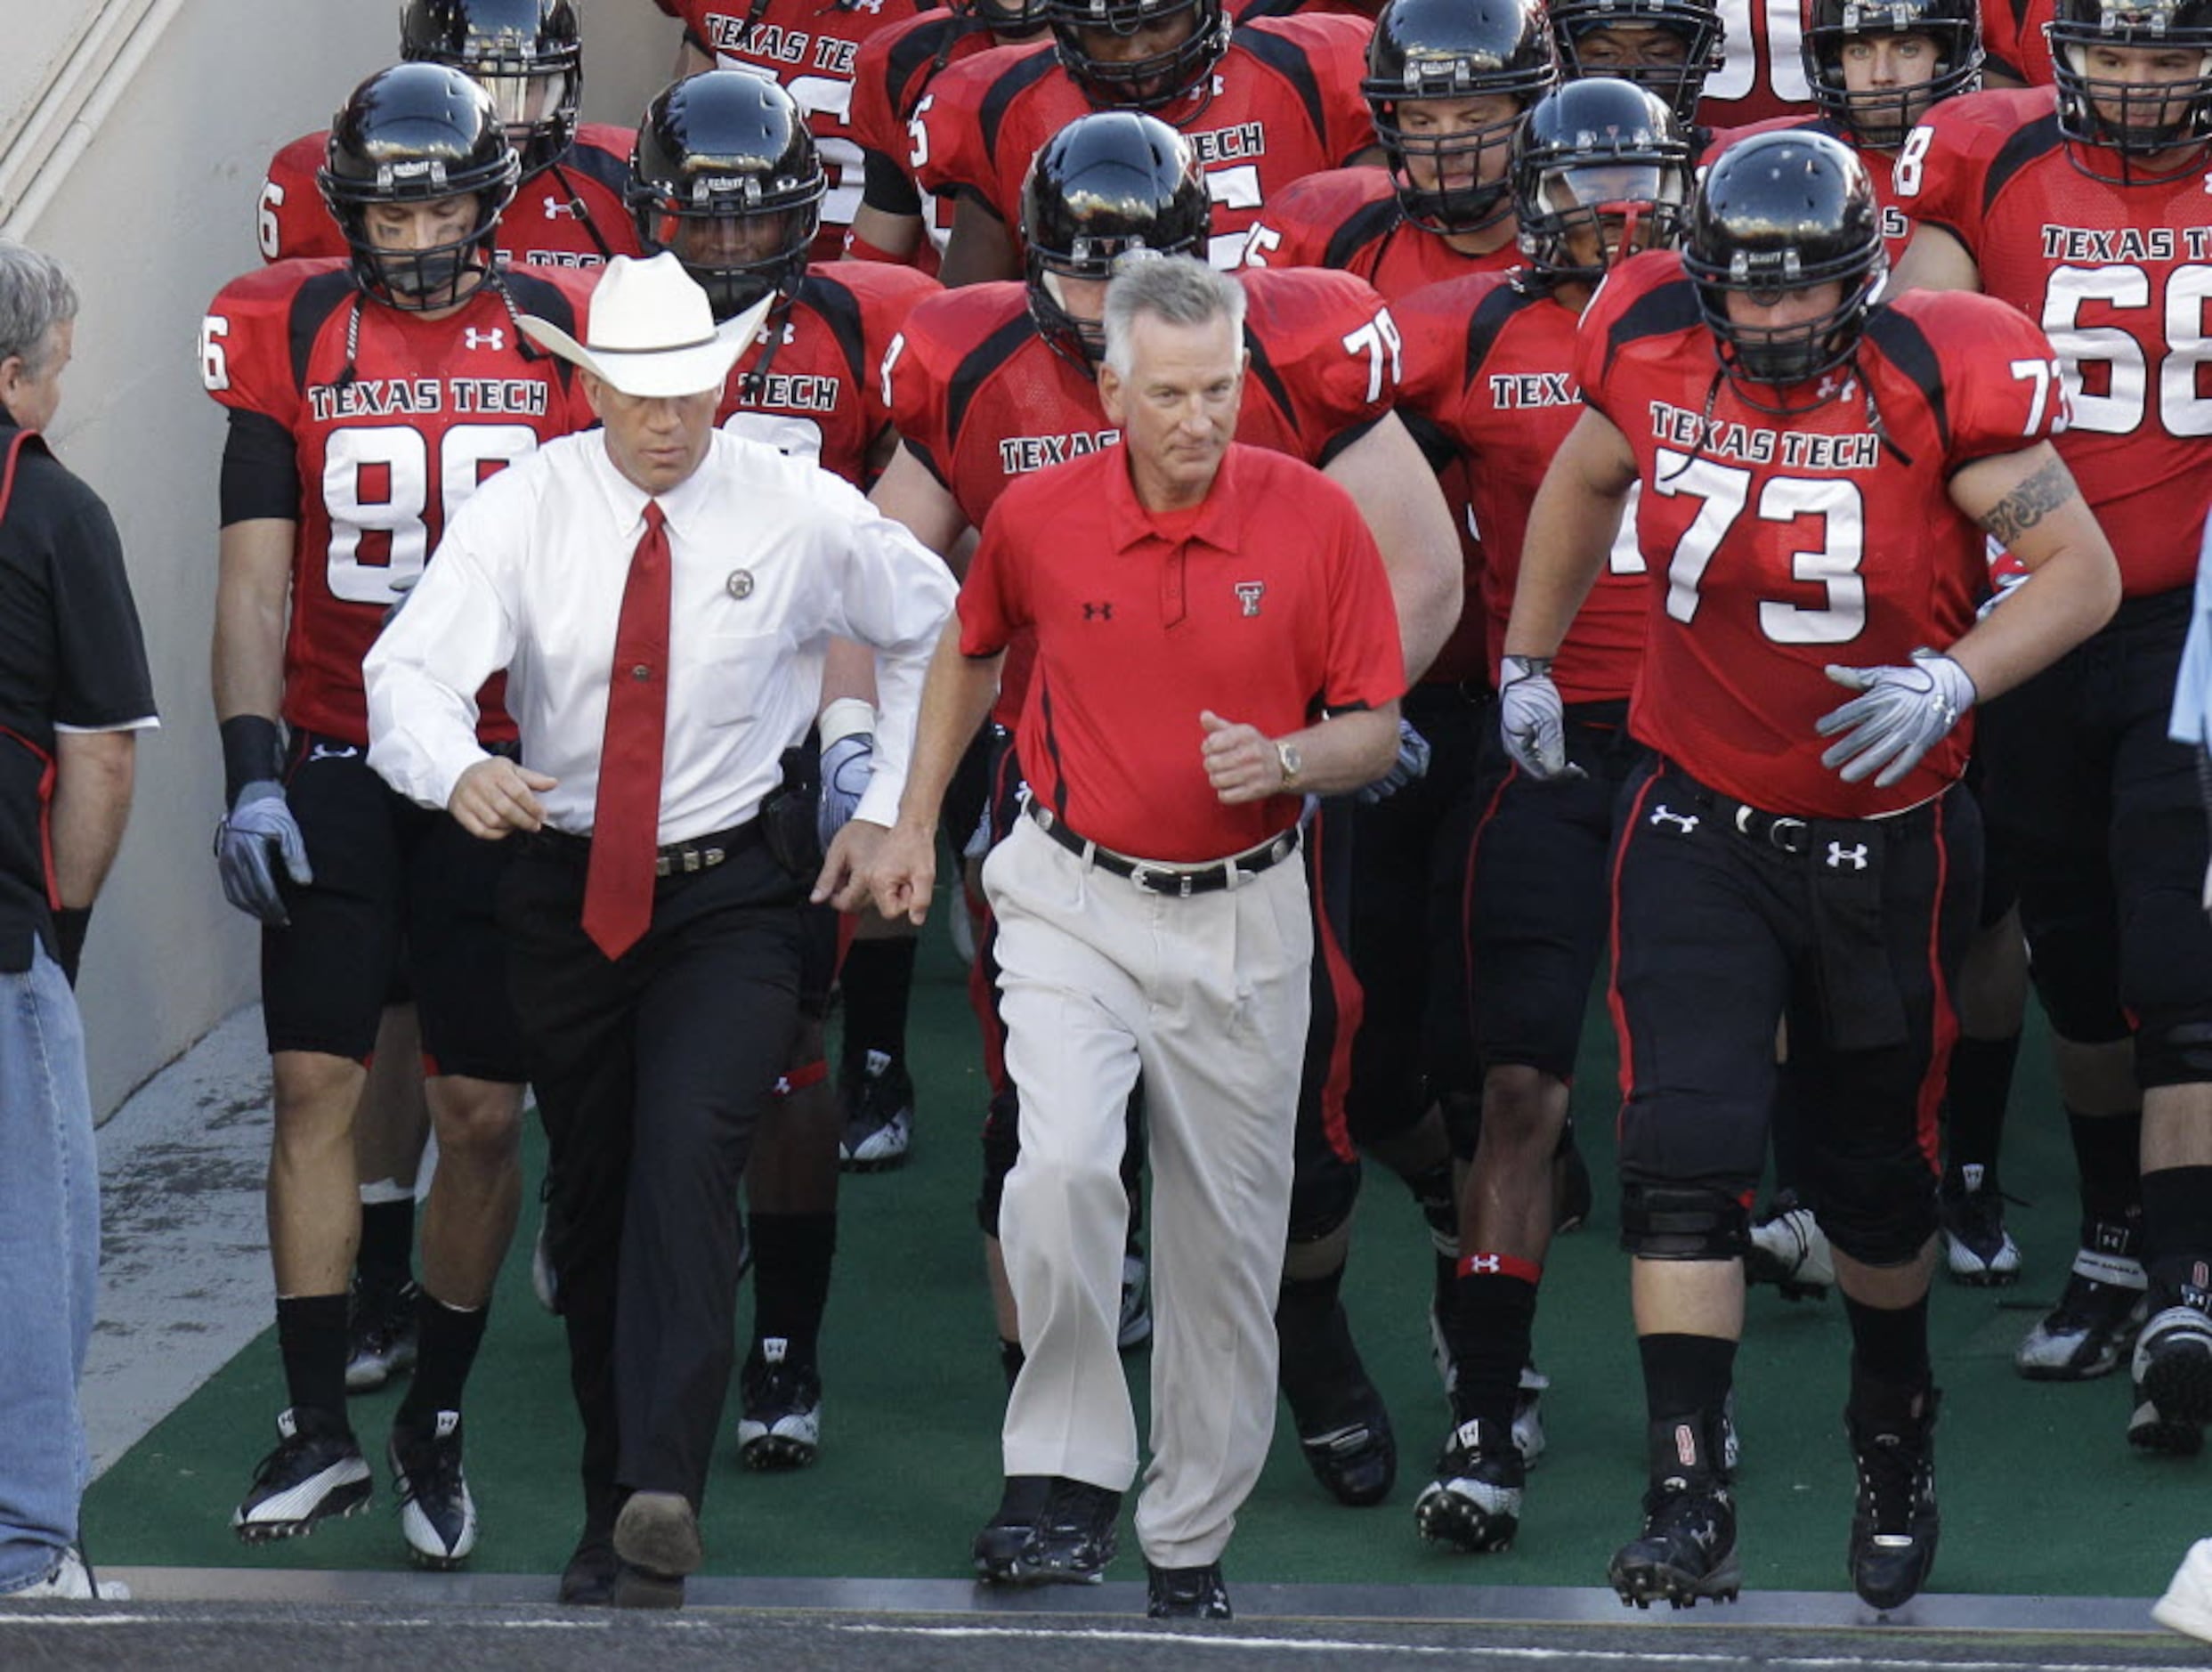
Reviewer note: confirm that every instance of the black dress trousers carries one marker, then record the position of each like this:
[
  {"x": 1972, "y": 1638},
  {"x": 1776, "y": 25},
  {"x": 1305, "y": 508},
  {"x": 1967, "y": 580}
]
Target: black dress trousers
[{"x": 651, "y": 1071}]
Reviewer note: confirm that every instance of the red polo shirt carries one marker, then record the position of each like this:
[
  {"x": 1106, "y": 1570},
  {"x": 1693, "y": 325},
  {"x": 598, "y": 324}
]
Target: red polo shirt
[{"x": 1266, "y": 606}]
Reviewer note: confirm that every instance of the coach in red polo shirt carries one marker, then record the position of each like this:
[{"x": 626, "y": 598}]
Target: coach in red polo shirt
[{"x": 1215, "y": 639}]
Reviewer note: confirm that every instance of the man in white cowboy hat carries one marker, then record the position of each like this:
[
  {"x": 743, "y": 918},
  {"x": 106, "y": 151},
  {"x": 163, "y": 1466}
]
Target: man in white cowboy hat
[{"x": 660, "y": 593}]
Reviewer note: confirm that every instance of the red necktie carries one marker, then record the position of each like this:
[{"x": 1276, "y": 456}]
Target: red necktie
[{"x": 626, "y": 824}]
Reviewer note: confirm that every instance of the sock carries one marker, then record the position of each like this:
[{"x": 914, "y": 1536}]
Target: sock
[
  {"x": 792, "y": 1255},
  {"x": 387, "y": 1250},
  {"x": 2108, "y": 1149},
  {"x": 1888, "y": 1345},
  {"x": 1686, "y": 1374},
  {"x": 876, "y": 980},
  {"x": 446, "y": 1343},
  {"x": 1492, "y": 1320},
  {"x": 1686, "y": 1382},
  {"x": 1980, "y": 1086},
  {"x": 1010, "y": 1361},
  {"x": 1319, "y": 1363},
  {"x": 2176, "y": 1229},
  {"x": 311, "y": 1337}
]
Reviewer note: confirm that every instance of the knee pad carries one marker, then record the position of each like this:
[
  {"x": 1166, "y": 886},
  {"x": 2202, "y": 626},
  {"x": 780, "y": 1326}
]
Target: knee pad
[
  {"x": 1002, "y": 1147},
  {"x": 1462, "y": 1122},
  {"x": 1683, "y": 1222},
  {"x": 1879, "y": 1209},
  {"x": 1323, "y": 1191},
  {"x": 2172, "y": 1050}
]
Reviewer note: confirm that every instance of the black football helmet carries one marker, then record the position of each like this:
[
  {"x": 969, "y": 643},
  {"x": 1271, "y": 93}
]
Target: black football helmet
[
  {"x": 1454, "y": 49},
  {"x": 1105, "y": 187},
  {"x": 1010, "y": 18},
  {"x": 1141, "y": 83},
  {"x": 414, "y": 133},
  {"x": 1604, "y": 154},
  {"x": 726, "y": 174},
  {"x": 527, "y": 55},
  {"x": 1880, "y": 120},
  {"x": 2173, "y": 116},
  {"x": 1695, "y": 23},
  {"x": 1781, "y": 211}
]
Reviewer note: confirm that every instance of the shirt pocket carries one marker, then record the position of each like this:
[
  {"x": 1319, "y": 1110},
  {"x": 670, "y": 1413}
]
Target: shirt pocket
[{"x": 737, "y": 672}]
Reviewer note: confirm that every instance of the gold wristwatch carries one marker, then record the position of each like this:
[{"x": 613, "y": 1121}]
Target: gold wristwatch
[{"x": 1293, "y": 763}]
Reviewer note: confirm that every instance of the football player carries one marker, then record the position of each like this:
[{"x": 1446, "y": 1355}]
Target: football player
[
  {"x": 813, "y": 50},
  {"x": 1262, "y": 105},
  {"x": 727, "y": 174},
  {"x": 1447, "y": 82},
  {"x": 368, "y": 397},
  {"x": 1818, "y": 474},
  {"x": 2080, "y": 204},
  {"x": 1599, "y": 171},
  {"x": 1670, "y": 48},
  {"x": 896, "y": 220},
  {"x": 529, "y": 55},
  {"x": 1324, "y": 358}
]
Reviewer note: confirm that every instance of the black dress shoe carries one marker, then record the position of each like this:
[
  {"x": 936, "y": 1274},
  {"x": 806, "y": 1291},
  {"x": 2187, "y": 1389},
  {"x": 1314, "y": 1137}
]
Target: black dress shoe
[
  {"x": 1185, "y": 1593},
  {"x": 588, "y": 1579}
]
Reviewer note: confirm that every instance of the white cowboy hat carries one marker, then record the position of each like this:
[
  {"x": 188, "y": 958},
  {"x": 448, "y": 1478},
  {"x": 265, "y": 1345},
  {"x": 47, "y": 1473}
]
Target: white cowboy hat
[{"x": 652, "y": 332}]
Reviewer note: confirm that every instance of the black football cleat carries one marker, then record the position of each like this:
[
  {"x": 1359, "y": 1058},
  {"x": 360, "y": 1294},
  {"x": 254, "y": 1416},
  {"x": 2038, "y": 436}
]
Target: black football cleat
[
  {"x": 1185, "y": 1593},
  {"x": 316, "y": 1473},
  {"x": 1049, "y": 1531},
  {"x": 1895, "y": 1522},
  {"x": 1686, "y": 1553}
]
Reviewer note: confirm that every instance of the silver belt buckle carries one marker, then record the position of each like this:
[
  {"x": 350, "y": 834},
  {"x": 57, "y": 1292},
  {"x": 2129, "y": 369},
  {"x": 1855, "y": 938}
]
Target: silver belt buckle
[
  {"x": 1140, "y": 878},
  {"x": 1788, "y": 835}
]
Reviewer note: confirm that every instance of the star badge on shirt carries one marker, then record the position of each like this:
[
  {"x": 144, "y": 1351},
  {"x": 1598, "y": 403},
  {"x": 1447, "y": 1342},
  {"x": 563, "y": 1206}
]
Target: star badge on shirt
[{"x": 739, "y": 585}]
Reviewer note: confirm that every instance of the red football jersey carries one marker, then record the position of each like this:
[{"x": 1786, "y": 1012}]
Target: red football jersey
[
  {"x": 391, "y": 440},
  {"x": 1491, "y": 365},
  {"x": 1349, "y": 219},
  {"x": 895, "y": 69},
  {"x": 1762, "y": 76},
  {"x": 1282, "y": 104},
  {"x": 1778, "y": 546},
  {"x": 810, "y": 47},
  {"x": 2013, "y": 39},
  {"x": 981, "y": 399},
  {"x": 2117, "y": 276},
  {"x": 570, "y": 214},
  {"x": 817, "y": 393},
  {"x": 1881, "y": 168}
]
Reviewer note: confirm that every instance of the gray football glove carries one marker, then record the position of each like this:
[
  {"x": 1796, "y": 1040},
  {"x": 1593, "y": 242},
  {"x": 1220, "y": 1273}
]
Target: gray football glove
[
  {"x": 1412, "y": 763},
  {"x": 1903, "y": 713},
  {"x": 259, "y": 821},
  {"x": 1533, "y": 720}
]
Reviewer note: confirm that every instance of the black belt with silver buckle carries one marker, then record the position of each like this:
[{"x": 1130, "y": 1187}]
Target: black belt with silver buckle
[
  {"x": 1154, "y": 878},
  {"x": 1792, "y": 835},
  {"x": 678, "y": 859}
]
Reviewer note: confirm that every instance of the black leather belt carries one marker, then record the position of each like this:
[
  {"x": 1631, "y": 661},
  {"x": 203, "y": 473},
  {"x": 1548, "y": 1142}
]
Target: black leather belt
[
  {"x": 1788, "y": 832},
  {"x": 1154, "y": 878},
  {"x": 701, "y": 853}
]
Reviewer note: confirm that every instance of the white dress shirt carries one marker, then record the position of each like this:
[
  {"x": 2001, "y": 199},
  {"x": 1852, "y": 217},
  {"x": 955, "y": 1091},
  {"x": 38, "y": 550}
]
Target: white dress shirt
[{"x": 770, "y": 558}]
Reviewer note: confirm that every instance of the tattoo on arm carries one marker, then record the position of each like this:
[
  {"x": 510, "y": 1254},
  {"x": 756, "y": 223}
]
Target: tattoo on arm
[{"x": 2029, "y": 503}]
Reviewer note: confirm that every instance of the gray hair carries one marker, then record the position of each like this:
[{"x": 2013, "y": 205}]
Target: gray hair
[
  {"x": 1175, "y": 290},
  {"x": 36, "y": 294}
]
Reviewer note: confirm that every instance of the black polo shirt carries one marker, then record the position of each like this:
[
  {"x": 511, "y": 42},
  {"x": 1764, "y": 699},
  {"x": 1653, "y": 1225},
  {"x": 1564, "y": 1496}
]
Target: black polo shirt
[{"x": 71, "y": 659}]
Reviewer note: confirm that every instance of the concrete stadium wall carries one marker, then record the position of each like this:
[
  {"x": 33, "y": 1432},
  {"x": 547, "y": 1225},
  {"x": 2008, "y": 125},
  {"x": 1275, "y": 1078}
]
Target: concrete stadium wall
[{"x": 149, "y": 198}]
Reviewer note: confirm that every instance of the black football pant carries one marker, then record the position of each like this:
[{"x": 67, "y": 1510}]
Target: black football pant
[{"x": 650, "y": 1072}]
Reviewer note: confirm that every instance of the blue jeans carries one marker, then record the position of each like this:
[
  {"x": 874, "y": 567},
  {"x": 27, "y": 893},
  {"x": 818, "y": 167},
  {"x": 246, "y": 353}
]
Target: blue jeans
[{"x": 49, "y": 1267}]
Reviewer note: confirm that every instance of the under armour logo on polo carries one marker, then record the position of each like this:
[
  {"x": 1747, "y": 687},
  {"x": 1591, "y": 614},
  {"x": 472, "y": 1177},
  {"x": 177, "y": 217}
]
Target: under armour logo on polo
[
  {"x": 1097, "y": 612},
  {"x": 1665, "y": 814},
  {"x": 495, "y": 339},
  {"x": 1249, "y": 594},
  {"x": 556, "y": 208},
  {"x": 1838, "y": 855}
]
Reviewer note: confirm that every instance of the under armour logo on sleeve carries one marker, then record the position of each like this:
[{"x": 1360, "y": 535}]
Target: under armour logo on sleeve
[{"x": 1097, "y": 612}]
